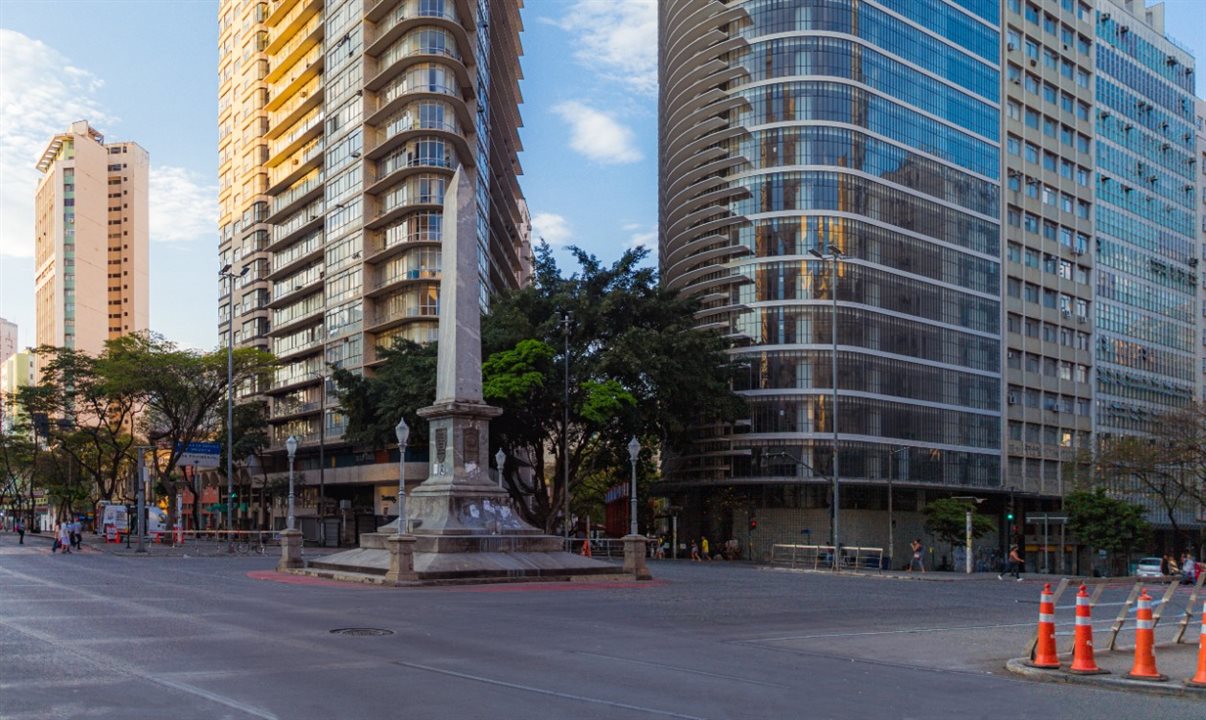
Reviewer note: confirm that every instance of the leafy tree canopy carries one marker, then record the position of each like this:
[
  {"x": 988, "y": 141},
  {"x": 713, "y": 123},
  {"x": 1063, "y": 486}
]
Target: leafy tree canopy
[
  {"x": 946, "y": 519},
  {"x": 1104, "y": 522}
]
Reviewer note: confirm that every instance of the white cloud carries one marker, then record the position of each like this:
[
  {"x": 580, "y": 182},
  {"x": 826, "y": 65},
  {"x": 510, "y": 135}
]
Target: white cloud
[
  {"x": 181, "y": 208},
  {"x": 616, "y": 38},
  {"x": 642, "y": 238},
  {"x": 553, "y": 228},
  {"x": 597, "y": 135},
  {"x": 42, "y": 93}
]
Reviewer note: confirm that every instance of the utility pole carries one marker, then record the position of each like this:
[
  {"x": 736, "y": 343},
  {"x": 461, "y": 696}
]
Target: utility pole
[{"x": 565, "y": 328}]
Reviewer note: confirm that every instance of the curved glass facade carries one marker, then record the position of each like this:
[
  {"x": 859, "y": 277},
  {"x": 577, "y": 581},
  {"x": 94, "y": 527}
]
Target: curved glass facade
[{"x": 873, "y": 129}]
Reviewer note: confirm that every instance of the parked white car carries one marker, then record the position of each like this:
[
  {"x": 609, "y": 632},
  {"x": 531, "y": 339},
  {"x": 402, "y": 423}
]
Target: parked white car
[{"x": 1149, "y": 567}]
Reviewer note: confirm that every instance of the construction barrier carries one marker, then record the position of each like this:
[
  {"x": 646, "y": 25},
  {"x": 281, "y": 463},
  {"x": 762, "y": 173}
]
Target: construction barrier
[
  {"x": 1144, "y": 667},
  {"x": 822, "y": 556},
  {"x": 1199, "y": 678}
]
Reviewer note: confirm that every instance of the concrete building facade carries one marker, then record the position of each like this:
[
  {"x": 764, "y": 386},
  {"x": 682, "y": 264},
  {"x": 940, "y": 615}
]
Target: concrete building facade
[
  {"x": 8, "y": 339},
  {"x": 16, "y": 371},
  {"x": 1200, "y": 164},
  {"x": 341, "y": 124},
  {"x": 91, "y": 254}
]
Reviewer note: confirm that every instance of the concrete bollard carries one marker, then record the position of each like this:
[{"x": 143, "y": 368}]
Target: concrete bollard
[
  {"x": 634, "y": 557},
  {"x": 401, "y": 559},
  {"x": 291, "y": 543}
]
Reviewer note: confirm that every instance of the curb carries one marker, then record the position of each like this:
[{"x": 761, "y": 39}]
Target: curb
[{"x": 1173, "y": 688}]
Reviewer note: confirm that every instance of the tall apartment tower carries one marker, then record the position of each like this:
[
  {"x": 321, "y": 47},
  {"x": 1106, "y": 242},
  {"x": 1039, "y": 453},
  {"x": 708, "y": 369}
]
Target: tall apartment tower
[
  {"x": 1049, "y": 126},
  {"x": 90, "y": 245},
  {"x": 1147, "y": 346},
  {"x": 872, "y": 129},
  {"x": 341, "y": 123}
]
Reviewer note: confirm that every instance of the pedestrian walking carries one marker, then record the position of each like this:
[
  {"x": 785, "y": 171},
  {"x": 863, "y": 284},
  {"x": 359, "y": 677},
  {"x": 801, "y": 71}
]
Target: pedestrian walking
[
  {"x": 64, "y": 538},
  {"x": 1189, "y": 568},
  {"x": 704, "y": 549},
  {"x": 20, "y": 532},
  {"x": 918, "y": 562},
  {"x": 1014, "y": 566},
  {"x": 76, "y": 530},
  {"x": 694, "y": 551}
]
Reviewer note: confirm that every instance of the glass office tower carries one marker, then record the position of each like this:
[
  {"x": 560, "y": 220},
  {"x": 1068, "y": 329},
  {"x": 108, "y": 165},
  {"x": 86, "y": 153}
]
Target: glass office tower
[
  {"x": 868, "y": 133},
  {"x": 1147, "y": 305}
]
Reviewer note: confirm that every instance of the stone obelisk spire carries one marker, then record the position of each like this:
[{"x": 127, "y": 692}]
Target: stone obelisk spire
[{"x": 458, "y": 497}]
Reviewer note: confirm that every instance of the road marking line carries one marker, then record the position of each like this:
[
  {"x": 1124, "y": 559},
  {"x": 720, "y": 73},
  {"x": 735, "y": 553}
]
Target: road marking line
[
  {"x": 542, "y": 691},
  {"x": 660, "y": 666},
  {"x": 886, "y": 632}
]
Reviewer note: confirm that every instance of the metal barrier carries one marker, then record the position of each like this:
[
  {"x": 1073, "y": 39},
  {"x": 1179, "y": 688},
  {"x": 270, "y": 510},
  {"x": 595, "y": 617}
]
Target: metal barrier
[
  {"x": 599, "y": 547},
  {"x": 212, "y": 542},
  {"x": 821, "y": 556},
  {"x": 1120, "y": 622}
]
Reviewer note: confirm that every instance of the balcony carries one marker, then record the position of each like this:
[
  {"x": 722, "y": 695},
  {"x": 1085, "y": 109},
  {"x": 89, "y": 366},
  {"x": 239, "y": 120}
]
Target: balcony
[
  {"x": 400, "y": 171},
  {"x": 284, "y": 348},
  {"x": 406, "y": 17},
  {"x": 293, "y": 198},
  {"x": 289, "y": 261},
  {"x": 305, "y": 129},
  {"x": 302, "y": 41},
  {"x": 282, "y": 409},
  {"x": 383, "y": 286},
  {"x": 393, "y": 63},
  {"x": 290, "y": 98},
  {"x": 286, "y": 18},
  {"x": 385, "y": 318},
  {"x": 386, "y": 247},
  {"x": 293, "y": 289},
  {"x": 295, "y": 168}
]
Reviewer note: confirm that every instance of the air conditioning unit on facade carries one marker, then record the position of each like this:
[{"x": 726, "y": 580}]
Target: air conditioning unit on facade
[{"x": 1011, "y": 398}]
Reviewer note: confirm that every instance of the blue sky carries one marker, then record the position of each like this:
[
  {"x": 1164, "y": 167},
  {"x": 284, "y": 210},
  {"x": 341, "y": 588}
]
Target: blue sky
[{"x": 145, "y": 70}]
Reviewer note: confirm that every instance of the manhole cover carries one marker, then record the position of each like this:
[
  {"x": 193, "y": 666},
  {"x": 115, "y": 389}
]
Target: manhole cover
[{"x": 372, "y": 632}]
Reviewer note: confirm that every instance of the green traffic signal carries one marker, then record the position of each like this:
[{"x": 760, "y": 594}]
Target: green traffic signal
[{"x": 1009, "y": 516}]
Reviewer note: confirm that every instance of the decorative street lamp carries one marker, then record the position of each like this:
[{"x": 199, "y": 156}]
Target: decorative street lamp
[
  {"x": 831, "y": 255},
  {"x": 291, "y": 448},
  {"x": 229, "y": 276},
  {"x": 500, "y": 457},
  {"x": 634, "y": 452},
  {"x": 402, "y": 430}
]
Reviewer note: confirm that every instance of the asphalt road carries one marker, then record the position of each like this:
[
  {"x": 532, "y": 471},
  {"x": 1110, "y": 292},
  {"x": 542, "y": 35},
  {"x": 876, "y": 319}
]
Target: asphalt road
[{"x": 92, "y": 635}]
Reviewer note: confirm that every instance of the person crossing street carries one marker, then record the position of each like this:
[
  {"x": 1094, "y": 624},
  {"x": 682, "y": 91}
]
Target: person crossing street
[{"x": 1014, "y": 566}]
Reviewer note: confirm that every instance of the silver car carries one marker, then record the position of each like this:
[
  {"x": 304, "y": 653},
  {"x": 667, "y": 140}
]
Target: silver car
[{"x": 1149, "y": 567}]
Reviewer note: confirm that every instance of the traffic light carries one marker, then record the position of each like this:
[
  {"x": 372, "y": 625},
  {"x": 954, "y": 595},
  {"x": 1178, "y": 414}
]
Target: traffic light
[
  {"x": 753, "y": 523},
  {"x": 1009, "y": 516}
]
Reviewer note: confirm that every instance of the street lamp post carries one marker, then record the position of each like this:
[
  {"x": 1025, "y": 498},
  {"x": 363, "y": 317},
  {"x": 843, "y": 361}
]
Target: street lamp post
[
  {"x": 500, "y": 457},
  {"x": 230, "y": 278},
  {"x": 565, "y": 328},
  {"x": 291, "y": 448},
  {"x": 634, "y": 452},
  {"x": 967, "y": 530},
  {"x": 322, "y": 460},
  {"x": 891, "y": 520},
  {"x": 402, "y": 431},
  {"x": 831, "y": 255}
]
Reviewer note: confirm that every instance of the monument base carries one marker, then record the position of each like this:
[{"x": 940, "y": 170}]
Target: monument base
[{"x": 291, "y": 544}]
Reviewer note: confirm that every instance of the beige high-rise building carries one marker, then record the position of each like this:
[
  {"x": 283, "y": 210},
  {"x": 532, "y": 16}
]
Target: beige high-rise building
[
  {"x": 90, "y": 246},
  {"x": 16, "y": 371},
  {"x": 8, "y": 339},
  {"x": 340, "y": 124}
]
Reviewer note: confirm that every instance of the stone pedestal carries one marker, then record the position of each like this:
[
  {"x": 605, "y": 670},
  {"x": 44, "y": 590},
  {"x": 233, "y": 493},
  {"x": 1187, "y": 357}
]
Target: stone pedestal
[
  {"x": 401, "y": 559},
  {"x": 635, "y": 547},
  {"x": 291, "y": 544}
]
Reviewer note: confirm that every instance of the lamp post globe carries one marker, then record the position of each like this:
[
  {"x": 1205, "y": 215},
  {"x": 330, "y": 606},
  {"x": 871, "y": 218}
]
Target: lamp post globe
[
  {"x": 500, "y": 457},
  {"x": 634, "y": 452},
  {"x": 291, "y": 448},
  {"x": 402, "y": 431}
]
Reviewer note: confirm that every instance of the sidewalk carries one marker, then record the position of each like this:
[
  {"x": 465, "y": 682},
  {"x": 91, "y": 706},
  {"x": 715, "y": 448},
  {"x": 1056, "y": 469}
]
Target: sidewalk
[
  {"x": 1178, "y": 662},
  {"x": 929, "y": 576}
]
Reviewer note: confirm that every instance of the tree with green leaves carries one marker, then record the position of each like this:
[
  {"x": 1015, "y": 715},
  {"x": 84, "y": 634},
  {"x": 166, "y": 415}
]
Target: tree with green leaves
[
  {"x": 637, "y": 365},
  {"x": 946, "y": 519},
  {"x": 1106, "y": 523}
]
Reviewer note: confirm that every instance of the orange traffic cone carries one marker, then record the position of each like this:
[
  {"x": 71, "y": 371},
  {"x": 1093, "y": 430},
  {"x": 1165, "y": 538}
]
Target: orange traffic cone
[
  {"x": 586, "y": 547},
  {"x": 1145, "y": 640},
  {"x": 1199, "y": 679},
  {"x": 1045, "y": 655},
  {"x": 1082, "y": 651}
]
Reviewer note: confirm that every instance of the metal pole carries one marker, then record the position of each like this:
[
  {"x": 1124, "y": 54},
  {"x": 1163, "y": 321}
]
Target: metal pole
[
  {"x": 565, "y": 320},
  {"x": 674, "y": 536},
  {"x": 140, "y": 501},
  {"x": 632, "y": 503},
  {"x": 289, "y": 519},
  {"x": 837, "y": 502},
  {"x": 402, "y": 520},
  {"x": 230, "y": 415},
  {"x": 322, "y": 459},
  {"x": 891, "y": 529},
  {"x": 967, "y": 530}
]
